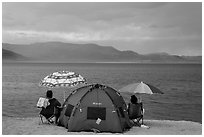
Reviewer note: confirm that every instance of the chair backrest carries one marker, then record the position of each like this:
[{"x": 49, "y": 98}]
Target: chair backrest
[{"x": 134, "y": 110}]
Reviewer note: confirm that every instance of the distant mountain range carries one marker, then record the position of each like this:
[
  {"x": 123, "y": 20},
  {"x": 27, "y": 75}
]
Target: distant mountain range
[{"x": 68, "y": 52}]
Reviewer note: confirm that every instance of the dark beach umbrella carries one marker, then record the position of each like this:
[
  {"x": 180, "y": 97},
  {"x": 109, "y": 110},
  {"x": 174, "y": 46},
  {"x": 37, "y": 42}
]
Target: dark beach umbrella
[
  {"x": 140, "y": 88},
  {"x": 62, "y": 79}
]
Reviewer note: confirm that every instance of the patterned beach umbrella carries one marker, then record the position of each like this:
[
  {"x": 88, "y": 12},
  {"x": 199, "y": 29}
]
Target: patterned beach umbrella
[
  {"x": 62, "y": 79},
  {"x": 140, "y": 88}
]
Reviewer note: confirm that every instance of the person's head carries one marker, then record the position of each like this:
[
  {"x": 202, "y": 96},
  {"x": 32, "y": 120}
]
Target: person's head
[
  {"x": 133, "y": 99},
  {"x": 49, "y": 94}
]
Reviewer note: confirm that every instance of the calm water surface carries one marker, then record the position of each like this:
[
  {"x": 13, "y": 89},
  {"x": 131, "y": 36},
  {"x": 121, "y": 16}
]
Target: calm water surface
[{"x": 181, "y": 84}]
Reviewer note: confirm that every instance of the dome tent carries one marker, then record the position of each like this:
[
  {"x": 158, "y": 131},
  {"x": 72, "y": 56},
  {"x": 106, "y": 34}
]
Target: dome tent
[{"x": 95, "y": 107}]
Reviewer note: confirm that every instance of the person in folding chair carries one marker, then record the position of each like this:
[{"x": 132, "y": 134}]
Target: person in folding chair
[
  {"x": 50, "y": 109},
  {"x": 135, "y": 111}
]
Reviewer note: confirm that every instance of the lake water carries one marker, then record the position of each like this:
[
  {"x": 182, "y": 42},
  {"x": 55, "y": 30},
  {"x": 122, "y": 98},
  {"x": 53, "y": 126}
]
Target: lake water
[{"x": 181, "y": 84}]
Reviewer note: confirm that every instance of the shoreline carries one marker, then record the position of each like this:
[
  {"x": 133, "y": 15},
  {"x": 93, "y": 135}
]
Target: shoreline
[
  {"x": 84, "y": 62},
  {"x": 31, "y": 126}
]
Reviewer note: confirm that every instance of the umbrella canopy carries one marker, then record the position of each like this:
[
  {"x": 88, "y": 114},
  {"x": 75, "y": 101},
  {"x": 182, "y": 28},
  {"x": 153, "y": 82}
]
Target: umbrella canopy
[
  {"x": 62, "y": 79},
  {"x": 140, "y": 88}
]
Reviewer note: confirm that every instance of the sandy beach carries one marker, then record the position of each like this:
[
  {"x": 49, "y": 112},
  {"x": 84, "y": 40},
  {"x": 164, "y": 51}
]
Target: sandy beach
[{"x": 31, "y": 126}]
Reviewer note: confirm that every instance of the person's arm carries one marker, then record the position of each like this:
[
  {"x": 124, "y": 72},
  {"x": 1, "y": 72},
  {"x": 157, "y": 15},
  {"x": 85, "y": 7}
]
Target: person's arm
[{"x": 58, "y": 104}]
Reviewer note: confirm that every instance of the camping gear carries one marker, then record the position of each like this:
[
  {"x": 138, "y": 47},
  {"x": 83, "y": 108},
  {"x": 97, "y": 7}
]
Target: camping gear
[
  {"x": 49, "y": 120},
  {"x": 135, "y": 113},
  {"x": 62, "y": 79},
  {"x": 95, "y": 107},
  {"x": 140, "y": 88},
  {"x": 51, "y": 111}
]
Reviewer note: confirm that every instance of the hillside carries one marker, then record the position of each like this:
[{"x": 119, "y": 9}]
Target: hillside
[
  {"x": 10, "y": 55},
  {"x": 68, "y": 52}
]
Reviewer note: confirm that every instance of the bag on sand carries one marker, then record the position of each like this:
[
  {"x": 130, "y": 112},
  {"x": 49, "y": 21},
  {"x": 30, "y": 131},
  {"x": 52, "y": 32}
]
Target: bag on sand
[{"x": 43, "y": 102}]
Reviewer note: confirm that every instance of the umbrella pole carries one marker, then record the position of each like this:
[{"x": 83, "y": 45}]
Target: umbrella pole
[
  {"x": 64, "y": 95},
  {"x": 140, "y": 99}
]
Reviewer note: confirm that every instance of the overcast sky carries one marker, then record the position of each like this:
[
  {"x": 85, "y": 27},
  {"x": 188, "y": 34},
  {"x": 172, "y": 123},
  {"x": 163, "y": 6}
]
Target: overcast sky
[{"x": 175, "y": 28}]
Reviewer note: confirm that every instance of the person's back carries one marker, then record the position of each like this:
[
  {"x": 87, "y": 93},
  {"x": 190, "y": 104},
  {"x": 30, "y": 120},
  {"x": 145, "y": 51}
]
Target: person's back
[
  {"x": 135, "y": 110},
  {"x": 50, "y": 109}
]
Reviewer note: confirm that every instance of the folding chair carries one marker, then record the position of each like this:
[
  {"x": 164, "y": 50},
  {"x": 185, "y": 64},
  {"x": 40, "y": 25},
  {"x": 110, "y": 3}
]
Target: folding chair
[
  {"x": 47, "y": 110},
  {"x": 136, "y": 113},
  {"x": 49, "y": 119},
  {"x": 49, "y": 113}
]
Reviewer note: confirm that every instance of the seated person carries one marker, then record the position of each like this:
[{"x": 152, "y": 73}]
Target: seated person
[
  {"x": 135, "y": 110},
  {"x": 52, "y": 110}
]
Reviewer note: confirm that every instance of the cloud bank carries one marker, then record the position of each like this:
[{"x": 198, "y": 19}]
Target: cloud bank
[{"x": 175, "y": 28}]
